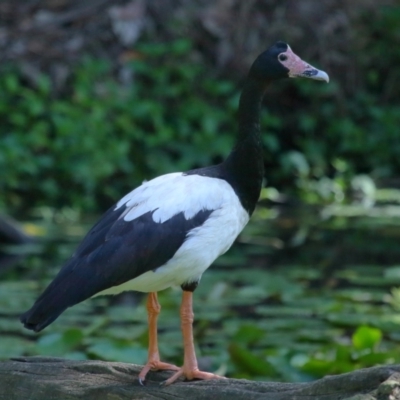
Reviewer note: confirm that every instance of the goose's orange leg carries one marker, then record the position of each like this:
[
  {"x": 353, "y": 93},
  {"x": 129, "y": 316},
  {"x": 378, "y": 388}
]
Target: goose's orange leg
[
  {"x": 190, "y": 368},
  {"x": 153, "y": 360}
]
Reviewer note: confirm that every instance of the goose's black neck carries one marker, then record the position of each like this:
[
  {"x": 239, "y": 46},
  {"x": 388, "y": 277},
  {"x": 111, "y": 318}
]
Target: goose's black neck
[{"x": 244, "y": 167}]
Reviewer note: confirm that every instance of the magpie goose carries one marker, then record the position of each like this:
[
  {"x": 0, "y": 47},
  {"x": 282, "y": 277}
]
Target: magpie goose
[{"x": 169, "y": 230}]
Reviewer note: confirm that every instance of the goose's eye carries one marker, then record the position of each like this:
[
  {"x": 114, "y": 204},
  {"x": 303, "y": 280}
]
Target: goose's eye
[{"x": 282, "y": 57}]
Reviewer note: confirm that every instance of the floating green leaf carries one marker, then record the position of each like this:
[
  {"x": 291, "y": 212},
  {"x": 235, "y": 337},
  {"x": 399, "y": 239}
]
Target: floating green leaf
[{"x": 366, "y": 337}]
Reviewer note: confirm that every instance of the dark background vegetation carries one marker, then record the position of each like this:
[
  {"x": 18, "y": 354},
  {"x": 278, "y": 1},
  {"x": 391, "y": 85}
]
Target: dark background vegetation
[
  {"x": 96, "y": 96},
  {"x": 99, "y": 95}
]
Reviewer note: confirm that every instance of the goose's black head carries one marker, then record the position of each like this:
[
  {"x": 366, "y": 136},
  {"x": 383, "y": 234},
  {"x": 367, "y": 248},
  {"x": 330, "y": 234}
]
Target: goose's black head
[{"x": 279, "y": 62}]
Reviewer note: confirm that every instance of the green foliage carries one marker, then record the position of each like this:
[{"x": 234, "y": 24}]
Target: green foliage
[
  {"x": 293, "y": 320},
  {"x": 86, "y": 147},
  {"x": 366, "y": 338},
  {"x": 364, "y": 351},
  {"x": 100, "y": 139},
  {"x": 348, "y": 130}
]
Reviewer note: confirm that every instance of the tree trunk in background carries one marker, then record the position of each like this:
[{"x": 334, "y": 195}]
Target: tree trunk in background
[{"x": 11, "y": 232}]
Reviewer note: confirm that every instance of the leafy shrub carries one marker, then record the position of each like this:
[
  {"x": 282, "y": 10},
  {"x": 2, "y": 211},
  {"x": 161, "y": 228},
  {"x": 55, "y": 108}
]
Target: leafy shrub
[
  {"x": 347, "y": 130},
  {"x": 89, "y": 146},
  {"x": 99, "y": 140}
]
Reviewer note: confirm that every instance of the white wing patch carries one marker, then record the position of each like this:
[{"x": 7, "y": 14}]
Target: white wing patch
[{"x": 173, "y": 193}]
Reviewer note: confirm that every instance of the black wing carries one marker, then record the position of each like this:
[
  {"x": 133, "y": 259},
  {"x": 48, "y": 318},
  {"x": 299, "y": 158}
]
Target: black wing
[{"x": 113, "y": 252}]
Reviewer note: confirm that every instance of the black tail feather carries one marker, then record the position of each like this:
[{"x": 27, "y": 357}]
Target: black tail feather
[{"x": 35, "y": 320}]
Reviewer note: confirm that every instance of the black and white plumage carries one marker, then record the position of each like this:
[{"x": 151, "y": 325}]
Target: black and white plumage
[
  {"x": 169, "y": 230},
  {"x": 166, "y": 232}
]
